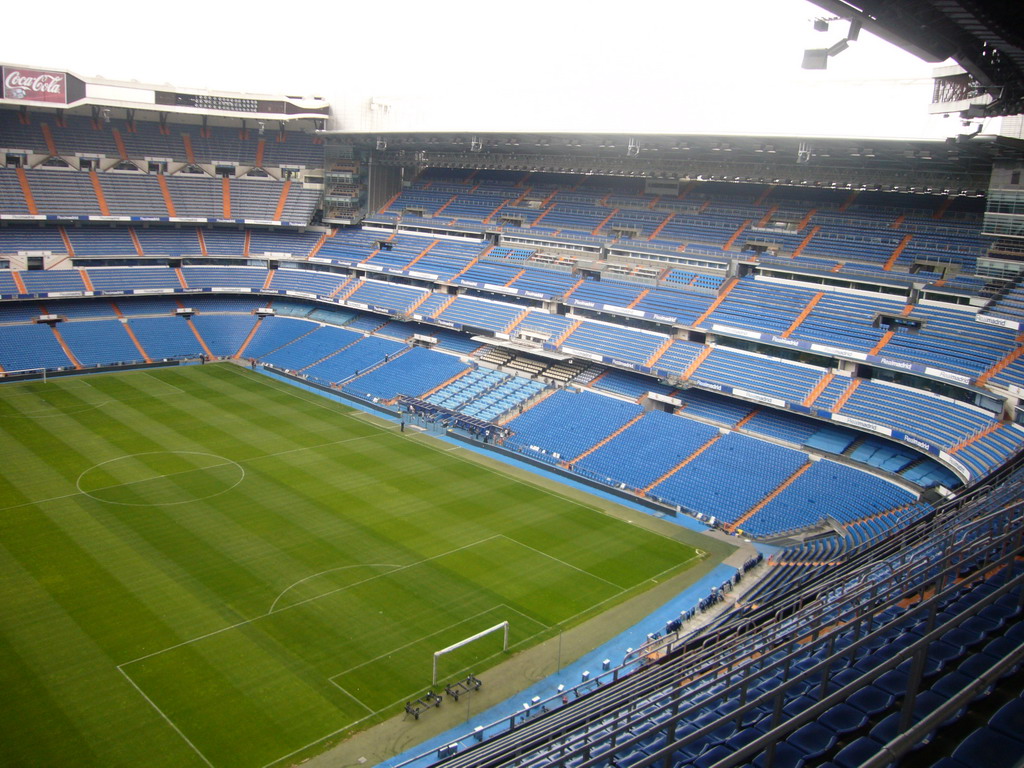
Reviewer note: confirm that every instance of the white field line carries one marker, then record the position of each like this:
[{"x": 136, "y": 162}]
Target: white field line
[
  {"x": 396, "y": 702},
  {"x": 226, "y": 462},
  {"x": 303, "y": 602},
  {"x": 393, "y": 566},
  {"x": 164, "y": 716},
  {"x": 484, "y": 612},
  {"x": 354, "y": 723},
  {"x": 352, "y": 696},
  {"x": 567, "y": 565},
  {"x": 178, "y": 390}
]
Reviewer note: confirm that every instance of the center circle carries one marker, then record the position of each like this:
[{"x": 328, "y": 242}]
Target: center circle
[{"x": 160, "y": 478}]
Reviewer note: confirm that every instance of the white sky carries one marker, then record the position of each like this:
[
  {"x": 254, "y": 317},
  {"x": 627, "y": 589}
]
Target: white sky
[{"x": 670, "y": 66}]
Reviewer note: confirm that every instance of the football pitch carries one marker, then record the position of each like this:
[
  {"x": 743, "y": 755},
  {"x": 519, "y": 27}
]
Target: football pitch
[{"x": 205, "y": 566}]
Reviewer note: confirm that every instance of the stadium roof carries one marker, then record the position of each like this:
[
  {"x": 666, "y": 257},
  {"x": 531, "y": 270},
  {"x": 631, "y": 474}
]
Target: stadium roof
[
  {"x": 942, "y": 165},
  {"x": 985, "y": 37}
]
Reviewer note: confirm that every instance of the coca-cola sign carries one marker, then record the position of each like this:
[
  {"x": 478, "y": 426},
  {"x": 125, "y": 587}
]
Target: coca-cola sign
[{"x": 35, "y": 85}]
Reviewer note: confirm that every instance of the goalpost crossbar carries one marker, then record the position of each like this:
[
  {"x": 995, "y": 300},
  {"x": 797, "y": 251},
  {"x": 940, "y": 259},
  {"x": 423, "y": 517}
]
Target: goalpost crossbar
[{"x": 467, "y": 641}]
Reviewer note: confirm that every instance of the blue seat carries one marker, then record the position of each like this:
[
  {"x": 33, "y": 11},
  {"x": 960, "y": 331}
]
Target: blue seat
[
  {"x": 871, "y": 700},
  {"x": 951, "y": 684},
  {"x": 927, "y": 702},
  {"x": 989, "y": 748},
  {"x": 1009, "y": 720},
  {"x": 784, "y": 756},
  {"x": 711, "y": 757},
  {"x": 813, "y": 740},
  {"x": 856, "y": 752},
  {"x": 895, "y": 681},
  {"x": 843, "y": 718}
]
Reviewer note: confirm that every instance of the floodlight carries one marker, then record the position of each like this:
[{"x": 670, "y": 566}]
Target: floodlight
[
  {"x": 839, "y": 47},
  {"x": 815, "y": 58}
]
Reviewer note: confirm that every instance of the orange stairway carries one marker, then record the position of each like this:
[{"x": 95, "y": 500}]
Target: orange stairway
[
  {"x": 656, "y": 355},
  {"x": 450, "y": 200},
  {"x": 181, "y": 278},
  {"x": 664, "y": 223},
  {"x": 718, "y": 300},
  {"x": 248, "y": 338},
  {"x": 86, "y": 280},
  {"x": 202, "y": 343},
  {"x": 389, "y": 202},
  {"x": 65, "y": 347},
  {"x": 569, "y": 293},
  {"x": 896, "y": 252},
  {"x": 26, "y": 190},
  {"x": 51, "y": 145},
  {"x": 941, "y": 210},
  {"x": 202, "y": 241},
  {"x": 997, "y": 368},
  {"x": 67, "y": 241},
  {"x": 341, "y": 287},
  {"x": 515, "y": 277},
  {"x": 122, "y": 151},
  {"x": 418, "y": 303},
  {"x": 803, "y": 243},
  {"x": 492, "y": 214},
  {"x": 763, "y": 222},
  {"x": 270, "y": 278},
  {"x": 135, "y": 341},
  {"x": 567, "y": 333},
  {"x": 186, "y": 140},
  {"x": 279, "y": 210},
  {"x": 512, "y": 326},
  {"x": 693, "y": 366},
  {"x": 682, "y": 463},
  {"x": 444, "y": 384},
  {"x": 735, "y": 524},
  {"x": 803, "y": 314},
  {"x": 977, "y": 436},
  {"x": 445, "y": 304},
  {"x": 350, "y": 290},
  {"x": 820, "y": 387},
  {"x": 166, "y": 192},
  {"x": 101, "y": 199},
  {"x": 604, "y": 221},
  {"x": 608, "y": 439},
  {"x": 639, "y": 298},
  {"x": 261, "y": 145},
  {"x": 421, "y": 254},
  {"x": 736, "y": 235},
  {"x": 806, "y": 219},
  {"x": 320, "y": 243},
  {"x": 225, "y": 195},
  {"x": 135, "y": 241},
  {"x": 841, "y": 400},
  {"x": 886, "y": 338},
  {"x": 18, "y": 282}
]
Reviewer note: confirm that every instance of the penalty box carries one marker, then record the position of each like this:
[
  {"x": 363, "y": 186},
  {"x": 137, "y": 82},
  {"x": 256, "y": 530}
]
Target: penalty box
[{"x": 273, "y": 683}]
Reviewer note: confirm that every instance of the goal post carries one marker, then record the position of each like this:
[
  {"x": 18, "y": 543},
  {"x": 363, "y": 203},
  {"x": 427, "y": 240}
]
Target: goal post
[{"x": 454, "y": 646}]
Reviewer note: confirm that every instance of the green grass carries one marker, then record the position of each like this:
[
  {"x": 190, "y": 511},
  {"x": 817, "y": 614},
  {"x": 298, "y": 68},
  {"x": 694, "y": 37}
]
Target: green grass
[{"x": 203, "y": 566}]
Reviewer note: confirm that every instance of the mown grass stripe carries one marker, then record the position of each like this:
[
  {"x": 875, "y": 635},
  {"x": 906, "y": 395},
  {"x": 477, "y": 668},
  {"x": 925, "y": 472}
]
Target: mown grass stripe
[{"x": 326, "y": 492}]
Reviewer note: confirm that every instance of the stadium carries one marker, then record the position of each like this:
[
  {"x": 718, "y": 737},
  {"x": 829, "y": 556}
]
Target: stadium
[{"x": 512, "y": 448}]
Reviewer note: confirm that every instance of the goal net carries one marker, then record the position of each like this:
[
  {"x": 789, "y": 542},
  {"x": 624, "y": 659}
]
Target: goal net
[{"x": 503, "y": 627}]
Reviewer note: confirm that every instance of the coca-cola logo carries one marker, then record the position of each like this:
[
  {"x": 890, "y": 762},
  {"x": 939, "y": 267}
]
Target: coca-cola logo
[{"x": 34, "y": 85}]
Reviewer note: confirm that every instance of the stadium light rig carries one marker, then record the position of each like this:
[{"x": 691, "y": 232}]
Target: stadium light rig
[{"x": 817, "y": 58}]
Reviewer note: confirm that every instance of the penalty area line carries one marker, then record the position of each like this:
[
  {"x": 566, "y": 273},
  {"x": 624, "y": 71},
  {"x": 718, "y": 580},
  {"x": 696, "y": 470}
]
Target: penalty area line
[
  {"x": 396, "y": 702},
  {"x": 163, "y": 714},
  {"x": 302, "y": 602}
]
